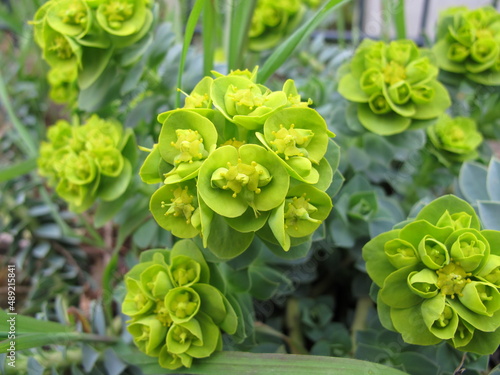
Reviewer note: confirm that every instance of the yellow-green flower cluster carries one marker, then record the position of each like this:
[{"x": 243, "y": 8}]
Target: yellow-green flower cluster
[
  {"x": 439, "y": 278},
  {"x": 78, "y": 37},
  {"x": 273, "y": 20},
  {"x": 240, "y": 151},
  {"x": 395, "y": 85},
  {"x": 87, "y": 162},
  {"x": 468, "y": 43},
  {"x": 176, "y": 314},
  {"x": 454, "y": 139}
]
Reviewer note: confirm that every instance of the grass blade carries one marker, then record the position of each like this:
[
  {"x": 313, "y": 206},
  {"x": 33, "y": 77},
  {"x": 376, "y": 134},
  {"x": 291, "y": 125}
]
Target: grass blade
[
  {"x": 284, "y": 51},
  {"x": 16, "y": 170},
  {"x": 210, "y": 35},
  {"x": 399, "y": 19},
  {"x": 188, "y": 36},
  {"x": 240, "y": 13},
  {"x": 243, "y": 363},
  {"x": 28, "y": 145}
]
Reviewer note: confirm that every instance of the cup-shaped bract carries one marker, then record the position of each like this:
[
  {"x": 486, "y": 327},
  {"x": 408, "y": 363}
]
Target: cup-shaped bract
[
  {"x": 174, "y": 207},
  {"x": 245, "y": 102},
  {"x": 395, "y": 86},
  {"x": 233, "y": 179},
  {"x": 87, "y": 162},
  {"x": 70, "y": 17},
  {"x": 186, "y": 139},
  {"x": 177, "y": 315},
  {"x": 467, "y": 43},
  {"x": 454, "y": 139},
  {"x": 441, "y": 270},
  {"x": 299, "y": 136}
]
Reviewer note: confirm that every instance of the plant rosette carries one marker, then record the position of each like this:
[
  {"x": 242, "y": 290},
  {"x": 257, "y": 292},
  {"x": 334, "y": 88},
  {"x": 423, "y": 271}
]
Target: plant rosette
[
  {"x": 176, "y": 314},
  {"x": 88, "y": 162},
  {"x": 225, "y": 167},
  {"x": 467, "y": 43},
  {"x": 82, "y": 36},
  {"x": 439, "y": 278},
  {"x": 454, "y": 139},
  {"x": 395, "y": 86}
]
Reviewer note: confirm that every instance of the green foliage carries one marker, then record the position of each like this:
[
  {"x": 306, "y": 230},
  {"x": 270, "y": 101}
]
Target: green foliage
[
  {"x": 467, "y": 43},
  {"x": 441, "y": 270},
  {"x": 176, "y": 313},
  {"x": 78, "y": 38},
  {"x": 272, "y": 21},
  {"x": 479, "y": 186},
  {"x": 454, "y": 140},
  {"x": 88, "y": 162},
  {"x": 394, "y": 85},
  {"x": 250, "y": 165}
]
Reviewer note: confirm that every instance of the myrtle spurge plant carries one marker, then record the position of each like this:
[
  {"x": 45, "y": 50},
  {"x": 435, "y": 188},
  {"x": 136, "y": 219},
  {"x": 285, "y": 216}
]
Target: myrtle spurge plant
[
  {"x": 78, "y": 37},
  {"x": 454, "y": 139},
  {"x": 395, "y": 86},
  {"x": 87, "y": 162},
  {"x": 241, "y": 152},
  {"x": 176, "y": 314},
  {"x": 468, "y": 44},
  {"x": 439, "y": 278}
]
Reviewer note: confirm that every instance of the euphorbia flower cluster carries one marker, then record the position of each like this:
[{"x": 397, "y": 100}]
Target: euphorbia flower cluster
[
  {"x": 177, "y": 315},
  {"x": 454, "y": 139},
  {"x": 468, "y": 43},
  {"x": 87, "y": 162},
  {"x": 439, "y": 278},
  {"x": 395, "y": 86},
  {"x": 243, "y": 152},
  {"x": 272, "y": 21},
  {"x": 78, "y": 37}
]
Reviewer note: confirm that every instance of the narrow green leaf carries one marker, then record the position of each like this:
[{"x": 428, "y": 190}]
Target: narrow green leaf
[
  {"x": 240, "y": 17},
  {"x": 399, "y": 19},
  {"x": 283, "y": 52},
  {"x": 27, "y": 324},
  {"x": 188, "y": 36},
  {"x": 17, "y": 170},
  {"x": 210, "y": 35},
  {"x": 28, "y": 144},
  {"x": 264, "y": 363}
]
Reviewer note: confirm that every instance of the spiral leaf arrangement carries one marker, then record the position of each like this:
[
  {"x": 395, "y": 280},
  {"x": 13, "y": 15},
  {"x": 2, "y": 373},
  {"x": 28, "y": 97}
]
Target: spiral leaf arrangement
[{"x": 439, "y": 278}]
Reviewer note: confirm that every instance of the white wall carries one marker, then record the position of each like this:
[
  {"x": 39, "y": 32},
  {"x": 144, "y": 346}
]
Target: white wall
[{"x": 373, "y": 14}]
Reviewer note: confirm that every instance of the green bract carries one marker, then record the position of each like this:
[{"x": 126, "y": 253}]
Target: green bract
[
  {"x": 395, "y": 85},
  {"x": 272, "y": 21},
  {"x": 468, "y": 43},
  {"x": 236, "y": 160},
  {"x": 177, "y": 315},
  {"x": 80, "y": 36},
  {"x": 438, "y": 278},
  {"x": 87, "y": 162},
  {"x": 455, "y": 139}
]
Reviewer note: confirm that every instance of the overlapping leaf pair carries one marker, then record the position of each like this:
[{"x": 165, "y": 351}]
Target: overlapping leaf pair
[
  {"x": 468, "y": 43},
  {"x": 395, "y": 86},
  {"x": 87, "y": 162},
  {"x": 255, "y": 163},
  {"x": 454, "y": 139},
  {"x": 177, "y": 315},
  {"x": 78, "y": 38},
  {"x": 440, "y": 278}
]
